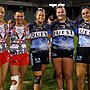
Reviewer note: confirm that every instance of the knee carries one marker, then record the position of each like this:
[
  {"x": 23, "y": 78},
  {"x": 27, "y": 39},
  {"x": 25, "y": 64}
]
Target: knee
[
  {"x": 15, "y": 81},
  {"x": 0, "y": 84},
  {"x": 2, "y": 80},
  {"x": 68, "y": 76},
  {"x": 58, "y": 75},
  {"x": 80, "y": 76},
  {"x": 37, "y": 80}
]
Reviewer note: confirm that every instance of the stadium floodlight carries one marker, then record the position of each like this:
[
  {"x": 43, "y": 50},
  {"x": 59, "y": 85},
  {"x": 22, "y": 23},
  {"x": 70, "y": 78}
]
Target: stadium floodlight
[
  {"x": 60, "y": 4},
  {"x": 52, "y": 5}
]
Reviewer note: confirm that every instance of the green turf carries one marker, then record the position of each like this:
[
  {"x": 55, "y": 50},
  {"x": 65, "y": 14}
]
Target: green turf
[{"x": 49, "y": 83}]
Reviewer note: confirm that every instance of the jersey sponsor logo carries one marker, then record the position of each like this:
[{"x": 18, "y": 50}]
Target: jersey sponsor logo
[
  {"x": 39, "y": 34},
  {"x": 39, "y": 28},
  {"x": 54, "y": 54},
  {"x": 83, "y": 31},
  {"x": 79, "y": 58},
  {"x": 64, "y": 32},
  {"x": 20, "y": 29},
  {"x": 37, "y": 60}
]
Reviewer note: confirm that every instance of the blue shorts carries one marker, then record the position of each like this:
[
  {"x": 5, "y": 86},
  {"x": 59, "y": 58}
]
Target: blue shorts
[
  {"x": 39, "y": 58},
  {"x": 83, "y": 55}
]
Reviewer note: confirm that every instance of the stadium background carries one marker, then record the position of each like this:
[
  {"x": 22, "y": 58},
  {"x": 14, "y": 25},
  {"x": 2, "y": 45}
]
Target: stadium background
[{"x": 30, "y": 7}]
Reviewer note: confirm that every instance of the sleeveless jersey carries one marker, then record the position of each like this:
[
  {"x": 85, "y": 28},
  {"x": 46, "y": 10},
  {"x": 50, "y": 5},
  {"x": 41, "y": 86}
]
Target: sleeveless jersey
[
  {"x": 39, "y": 37},
  {"x": 84, "y": 34},
  {"x": 63, "y": 35},
  {"x": 3, "y": 37},
  {"x": 18, "y": 37}
]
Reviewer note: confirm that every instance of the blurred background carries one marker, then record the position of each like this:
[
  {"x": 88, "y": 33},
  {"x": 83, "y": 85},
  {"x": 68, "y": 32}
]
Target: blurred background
[{"x": 30, "y": 7}]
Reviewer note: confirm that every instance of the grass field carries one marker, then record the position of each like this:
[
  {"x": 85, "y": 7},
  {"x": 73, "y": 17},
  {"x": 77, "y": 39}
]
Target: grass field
[{"x": 49, "y": 83}]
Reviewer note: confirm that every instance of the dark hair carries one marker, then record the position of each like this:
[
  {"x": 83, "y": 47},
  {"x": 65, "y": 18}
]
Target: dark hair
[
  {"x": 51, "y": 18},
  {"x": 85, "y": 7},
  {"x": 20, "y": 11}
]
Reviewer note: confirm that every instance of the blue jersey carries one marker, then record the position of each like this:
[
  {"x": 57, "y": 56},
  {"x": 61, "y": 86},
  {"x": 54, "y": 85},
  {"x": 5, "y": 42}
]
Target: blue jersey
[
  {"x": 63, "y": 35},
  {"x": 39, "y": 37},
  {"x": 84, "y": 34}
]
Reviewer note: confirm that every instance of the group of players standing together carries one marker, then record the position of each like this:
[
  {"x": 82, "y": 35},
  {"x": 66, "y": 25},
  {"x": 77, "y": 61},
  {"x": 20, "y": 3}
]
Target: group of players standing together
[{"x": 60, "y": 33}]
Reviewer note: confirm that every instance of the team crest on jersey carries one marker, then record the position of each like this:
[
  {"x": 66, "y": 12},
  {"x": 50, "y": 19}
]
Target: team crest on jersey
[
  {"x": 64, "y": 32},
  {"x": 83, "y": 31},
  {"x": 39, "y": 28}
]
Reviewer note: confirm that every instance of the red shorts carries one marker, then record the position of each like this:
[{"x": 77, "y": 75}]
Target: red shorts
[
  {"x": 20, "y": 59},
  {"x": 4, "y": 57}
]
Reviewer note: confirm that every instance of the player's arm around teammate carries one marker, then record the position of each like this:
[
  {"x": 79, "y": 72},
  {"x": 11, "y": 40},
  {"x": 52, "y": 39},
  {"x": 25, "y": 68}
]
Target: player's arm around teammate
[
  {"x": 62, "y": 48},
  {"x": 83, "y": 49},
  {"x": 39, "y": 48},
  {"x": 4, "y": 54},
  {"x": 19, "y": 54}
]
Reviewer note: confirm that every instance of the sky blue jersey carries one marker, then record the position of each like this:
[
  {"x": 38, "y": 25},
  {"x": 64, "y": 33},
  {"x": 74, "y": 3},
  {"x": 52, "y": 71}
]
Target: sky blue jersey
[
  {"x": 39, "y": 37},
  {"x": 84, "y": 34},
  {"x": 63, "y": 35}
]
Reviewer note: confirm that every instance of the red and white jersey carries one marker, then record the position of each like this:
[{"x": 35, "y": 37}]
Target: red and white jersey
[
  {"x": 18, "y": 35},
  {"x": 3, "y": 36}
]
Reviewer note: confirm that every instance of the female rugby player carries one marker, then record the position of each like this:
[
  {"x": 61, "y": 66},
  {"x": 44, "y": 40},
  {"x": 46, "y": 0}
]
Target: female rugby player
[
  {"x": 39, "y": 49},
  {"x": 19, "y": 54},
  {"x": 83, "y": 49},
  {"x": 62, "y": 48},
  {"x": 4, "y": 53}
]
